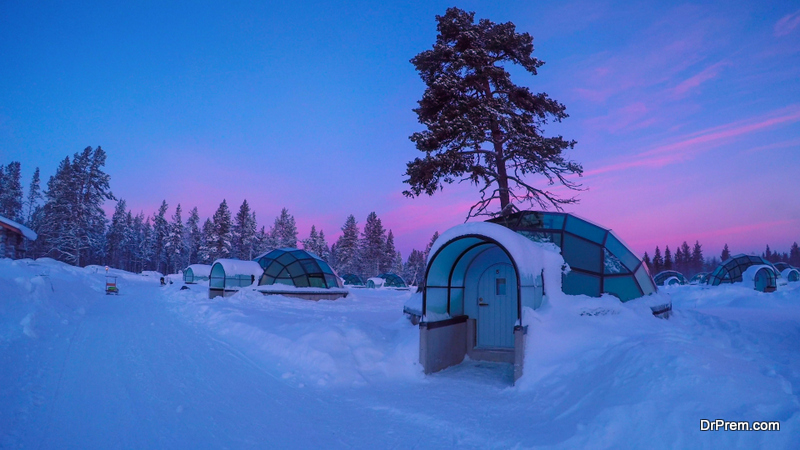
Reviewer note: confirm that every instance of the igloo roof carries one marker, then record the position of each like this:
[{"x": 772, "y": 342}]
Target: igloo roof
[
  {"x": 352, "y": 279},
  {"x": 598, "y": 259},
  {"x": 295, "y": 267},
  {"x": 392, "y": 280},
  {"x": 730, "y": 271},
  {"x": 661, "y": 277}
]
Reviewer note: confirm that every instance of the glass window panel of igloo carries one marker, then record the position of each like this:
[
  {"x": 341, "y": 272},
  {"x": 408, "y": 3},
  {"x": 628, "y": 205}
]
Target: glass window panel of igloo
[
  {"x": 293, "y": 267},
  {"x": 585, "y": 230},
  {"x": 542, "y": 236},
  {"x": 618, "y": 249},
  {"x": 645, "y": 280},
  {"x": 612, "y": 265},
  {"x": 582, "y": 254},
  {"x": 625, "y": 287},
  {"x": 577, "y": 283}
]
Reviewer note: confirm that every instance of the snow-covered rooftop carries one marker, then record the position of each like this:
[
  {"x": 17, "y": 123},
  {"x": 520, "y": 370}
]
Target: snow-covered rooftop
[
  {"x": 18, "y": 227},
  {"x": 239, "y": 267}
]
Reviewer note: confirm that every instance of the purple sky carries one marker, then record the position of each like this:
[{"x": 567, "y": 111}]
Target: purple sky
[{"x": 687, "y": 116}]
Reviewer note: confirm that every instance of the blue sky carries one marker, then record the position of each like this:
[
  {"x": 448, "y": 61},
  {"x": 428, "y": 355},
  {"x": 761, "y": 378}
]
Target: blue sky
[{"x": 687, "y": 116}]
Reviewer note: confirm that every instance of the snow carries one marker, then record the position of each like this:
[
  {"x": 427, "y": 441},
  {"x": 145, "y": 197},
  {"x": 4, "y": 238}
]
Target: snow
[
  {"x": 278, "y": 287},
  {"x": 378, "y": 282},
  {"x": 27, "y": 232},
  {"x": 200, "y": 270},
  {"x": 239, "y": 267},
  {"x": 749, "y": 275},
  {"x": 160, "y": 367}
]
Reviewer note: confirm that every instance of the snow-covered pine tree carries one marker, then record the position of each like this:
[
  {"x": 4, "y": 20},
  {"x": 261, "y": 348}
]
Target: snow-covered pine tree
[
  {"x": 116, "y": 237},
  {"x": 388, "y": 264},
  {"x": 11, "y": 192},
  {"x": 263, "y": 243},
  {"x": 193, "y": 236},
  {"x": 316, "y": 244},
  {"x": 372, "y": 247},
  {"x": 205, "y": 252},
  {"x": 726, "y": 253},
  {"x": 160, "y": 233},
  {"x": 658, "y": 261},
  {"x": 347, "y": 253},
  {"x": 34, "y": 197},
  {"x": 243, "y": 233},
  {"x": 221, "y": 240},
  {"x": 430, "y": 245},
  {"x": 414, "y": 271},
  {"x": 284, "y": 231},
  {"x": 481, "y": 127},
  {"x": 148, "y": 249},
  {"x": 678, "y": 264},
  {"x": 174, "y": 246}
]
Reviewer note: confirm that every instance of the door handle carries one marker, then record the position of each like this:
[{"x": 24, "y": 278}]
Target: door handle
[{"x": 481, "y": 303}]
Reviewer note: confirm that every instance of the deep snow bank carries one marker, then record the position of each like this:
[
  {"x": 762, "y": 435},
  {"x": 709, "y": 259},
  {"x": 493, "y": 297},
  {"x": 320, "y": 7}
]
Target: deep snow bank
[{"x": 351, "y": 341}]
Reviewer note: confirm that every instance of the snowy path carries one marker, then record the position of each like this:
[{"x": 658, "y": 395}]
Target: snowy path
[{"x": 136, "y": 377}]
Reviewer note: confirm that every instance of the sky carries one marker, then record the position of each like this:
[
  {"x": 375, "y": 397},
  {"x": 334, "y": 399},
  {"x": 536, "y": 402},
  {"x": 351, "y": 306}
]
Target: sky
[{"x": 687, "y": 115}]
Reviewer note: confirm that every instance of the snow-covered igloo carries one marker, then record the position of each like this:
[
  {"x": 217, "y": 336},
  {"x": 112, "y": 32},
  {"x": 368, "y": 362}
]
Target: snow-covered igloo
[
  {"x": 669, "y": 278},
  {"x": 297, "y": 273},
  {"x": 789, "y": 273},
  {"x": 734, "y": 269},
  {"x": 196, "y": 272},
  {"x": 228, "y": 276},
  {"x": 479, "y": 276}
]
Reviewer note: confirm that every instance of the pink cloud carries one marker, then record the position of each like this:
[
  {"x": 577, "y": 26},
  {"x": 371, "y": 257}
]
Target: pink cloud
[
  {"x": 706, "y": 74},
  {"x": 787, "y": 24},
  {"x": 699, "y": 142}
]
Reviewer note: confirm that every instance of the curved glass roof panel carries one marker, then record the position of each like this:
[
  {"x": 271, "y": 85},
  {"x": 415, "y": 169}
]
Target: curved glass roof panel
[
  {"x": 295, "y": 267},
  {"x": 781, "y": 266},
  {"x": 352, "y": 279},
  {"x": 661, "y": 277},
  {"x": 392, "y": 280},
  {"x": 598, "y": 259},
  {"x": 730, "y": 271}
]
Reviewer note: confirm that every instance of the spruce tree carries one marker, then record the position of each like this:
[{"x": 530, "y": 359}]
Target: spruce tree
[
  {"x": 284, "y": 230},
  {"x": 347, "y": 254},
  {"x": 414, "y": 272},
  {"x": 647, "y": 262},
  {"x": 678, "y": 264},
  {"x": 316, "y": 244},
  {"x": 658, "y": 261},
  {"x": 244, "y": 233},
  {"x": 389, "y": 263},
  {"x": 262, "y": 242},
  {"x": 205, "y": 253},
  {"x": 160, "y": 233},
  {"x": 175, "y": 246},
  {"x": 482, "y": 127},
  {"x": 34, "y": 197},
  {"x": 697, "y": 258},
  {"x": 430, "y": 245},
  {"x": 794, "y": 255},
  {"x": 686, "y": 258},
  {"x": 372, "y": 247},
  {"x": 11, "y": 193},
  {"x": 221, "y": 239},
  {"x": 667, "y": 258},
  {"x": 116, "y": 240},
  {"x": 726, "y": 254},
  {"x": 193, "y": 236}
]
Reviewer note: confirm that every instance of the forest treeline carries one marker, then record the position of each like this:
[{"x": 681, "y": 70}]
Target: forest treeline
[{"x": 73, "y": 227}]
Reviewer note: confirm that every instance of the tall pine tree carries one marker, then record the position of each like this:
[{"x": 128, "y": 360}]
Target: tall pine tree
[
  {"x": 658, "y": 261},
  {"x": 193, "y": 236},
  {"x": 726, "y": 253},
  {"x": 372, "y": 247},
  {"x": 175, "y": 245},
  {"x": 284, "y": 230},
  {"x": 347, "y": 255},
  {"x": 221, "y": 239}
]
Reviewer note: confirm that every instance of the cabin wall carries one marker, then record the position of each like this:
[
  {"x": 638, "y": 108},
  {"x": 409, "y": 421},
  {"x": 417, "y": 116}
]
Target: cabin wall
[{"x": 11, "y": 244}]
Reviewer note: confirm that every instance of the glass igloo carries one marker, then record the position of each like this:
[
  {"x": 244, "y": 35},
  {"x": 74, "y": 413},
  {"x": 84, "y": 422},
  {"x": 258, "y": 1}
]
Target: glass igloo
[
  {"x": 731, "y": 270},
  {"x": 669, "y": 278},
  {"x": 295, "y": 267},
  {"x": 389, "y": 280},
  {"x": 599, "y": 261}
]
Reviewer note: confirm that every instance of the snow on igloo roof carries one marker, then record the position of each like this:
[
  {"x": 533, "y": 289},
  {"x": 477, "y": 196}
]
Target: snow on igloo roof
[
  {"x": 599, "y": 260},
  {"x": 200, "y": 270},
  {"x": 295, "y": 267},
  {"x": 238, "y": 267},
  {"x": 661, "y": 277},
  {"x": 392, "y": 280}
]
